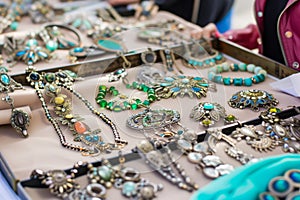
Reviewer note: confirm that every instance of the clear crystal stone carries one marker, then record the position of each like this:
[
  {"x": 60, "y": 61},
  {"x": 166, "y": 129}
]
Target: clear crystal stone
[
  {"x": 211, "y": 161},
  {"x": 211, "y": 172},
  {"x": 195, "y": 157},
  {"x": 224, "y": 169}
]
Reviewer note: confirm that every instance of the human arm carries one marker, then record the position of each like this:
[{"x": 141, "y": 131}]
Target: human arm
[
  {"x": 247, "y": 37},
  {"x": 122, "y": 2}
]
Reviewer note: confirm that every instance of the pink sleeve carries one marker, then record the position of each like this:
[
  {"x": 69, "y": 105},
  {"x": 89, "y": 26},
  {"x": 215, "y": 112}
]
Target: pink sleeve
[{"x": 247, "y": 37}]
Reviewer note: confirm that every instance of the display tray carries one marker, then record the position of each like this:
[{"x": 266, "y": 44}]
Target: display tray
[{"x": 42, "y": 150}]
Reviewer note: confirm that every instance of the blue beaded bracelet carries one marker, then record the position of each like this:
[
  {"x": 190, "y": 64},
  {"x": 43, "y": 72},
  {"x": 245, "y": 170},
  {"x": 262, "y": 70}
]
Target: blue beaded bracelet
[{"x": 214, "y": 74}]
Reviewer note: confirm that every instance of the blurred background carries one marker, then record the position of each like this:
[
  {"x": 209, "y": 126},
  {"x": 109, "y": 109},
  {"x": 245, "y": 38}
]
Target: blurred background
[{"x": 243, "y": 13}]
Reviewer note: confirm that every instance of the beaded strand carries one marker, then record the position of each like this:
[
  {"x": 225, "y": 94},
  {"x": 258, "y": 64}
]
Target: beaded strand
[
  {"x": 35, "y": 80},
  {"x": 214, "y": 74},
  {"x": 102, "y": 116},
  {"x": 132, "y": 104}
]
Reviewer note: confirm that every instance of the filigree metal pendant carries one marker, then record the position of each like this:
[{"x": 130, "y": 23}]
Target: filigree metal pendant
[
  {"x": 20, "y": 121},
  {"x": 182, "y": 85},
  {"x": 153, "y": 119},
  {"x": 257, "y": 139},
  {"x": 254, "y": 99}
]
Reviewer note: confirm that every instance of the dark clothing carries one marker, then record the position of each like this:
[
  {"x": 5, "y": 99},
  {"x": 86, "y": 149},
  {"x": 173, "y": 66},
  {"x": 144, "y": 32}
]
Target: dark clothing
[
  {"x": 273, "y": 10},
  {"x": 210, "y": 10}
]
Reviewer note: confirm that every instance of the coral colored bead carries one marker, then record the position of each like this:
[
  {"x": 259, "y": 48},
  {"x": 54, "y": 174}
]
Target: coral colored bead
[{"x": 79, "y": 127}]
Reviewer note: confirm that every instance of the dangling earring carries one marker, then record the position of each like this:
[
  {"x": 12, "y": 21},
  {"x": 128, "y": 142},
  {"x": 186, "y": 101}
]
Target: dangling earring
[{"x": 19, "y": 119}]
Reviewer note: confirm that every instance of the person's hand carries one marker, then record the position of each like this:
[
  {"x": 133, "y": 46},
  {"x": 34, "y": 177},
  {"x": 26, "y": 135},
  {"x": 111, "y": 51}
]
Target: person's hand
[
  {"x": 122, "y": 2},
  {"x": 206, "y": 32}
]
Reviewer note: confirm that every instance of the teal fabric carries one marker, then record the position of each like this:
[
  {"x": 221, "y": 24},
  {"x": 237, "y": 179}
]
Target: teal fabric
[{"x": 248, "y": 181}]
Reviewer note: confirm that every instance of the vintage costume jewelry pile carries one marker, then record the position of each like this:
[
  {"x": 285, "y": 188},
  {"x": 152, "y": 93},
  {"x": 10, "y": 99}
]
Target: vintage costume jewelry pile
[
  {"x": 254, "y": 99},
  {"x": 214, "y": 74},
  {"x": 63, "y": 80}
]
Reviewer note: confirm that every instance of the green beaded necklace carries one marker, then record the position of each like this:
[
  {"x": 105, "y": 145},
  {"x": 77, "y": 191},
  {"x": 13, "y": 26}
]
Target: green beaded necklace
[
  {"x": 121, "y": 102},
  {"x": 214, "y": 74}
]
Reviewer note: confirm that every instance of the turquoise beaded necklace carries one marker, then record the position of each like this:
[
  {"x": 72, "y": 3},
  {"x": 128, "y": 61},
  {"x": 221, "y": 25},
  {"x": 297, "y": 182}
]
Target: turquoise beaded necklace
[
  {"x": 214, "y": 74},
  {"x": 121, "y": 102}
]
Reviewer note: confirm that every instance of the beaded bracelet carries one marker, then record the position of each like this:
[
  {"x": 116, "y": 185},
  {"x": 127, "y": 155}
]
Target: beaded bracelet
[
  {"x": 121, "y": 103},
  {"x": 214, "y": 74}
]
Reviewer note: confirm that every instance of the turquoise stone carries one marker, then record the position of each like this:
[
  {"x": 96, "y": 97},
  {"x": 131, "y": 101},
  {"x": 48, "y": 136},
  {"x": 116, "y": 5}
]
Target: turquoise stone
[
  {"x": 169, "y": 79},
  {"x": 181, "y": 76},
  {"x": 297, "y": 197},
  {"x": 165, "y": 84},
  {"x": 225, "y": 68},
  {"x": 52, "y": 88},
  {"x": 203, "y": 84},
  {"x": 5, "y": 79},
  {"x": 208, "y": 106},
  {"x": 214, "y": 69},
  {"x": 250, "y": 68},
  {"x": 32, "y": 42},
  {"x": 51, "y": 45},
  {"x": 207, "y": 62},
  {"x": 219, "y": 57},
  {"x": 218, "y": 78},
  {"x": 198, "y": 78},
  {"x": 191, "y": 62},
  {"x": 42, "y": 54},
  {"x": 242, "y": 67},
  {"x": 20, "y": 53},
  {"x": 261, "y": 77},
  {"x": 196, "y": 89},
  {"x": 257, "y": 69},
  {"x": 185, "y": 81},
  {"x": 78, "y": 49},
  {"x": 14, "y": 25},
  {"x": 268, "y": 197},
  {"x": 227, "y": 81},
  {"x": 87, "y": 24},
  {"x": 175, "y": 89},
  {"x": 110, "y": 44},
  {"x": 295, "y": 176},
  {"x": 257, "y": 79},
  {"x": 71, "y": 73},
  {"x": 105, "y": 173},
  {"x": 76, "y": 23},
  {"x": 129, "y": 189},
  {"x": 211, "y": 75},
  {"x": 235, "y": 67},
  {"x": 237, "y": 81},
  {"x": 248, "y": 81},
  {"x": 248, "y": 102},
  {"x": 281, "y": 185}
]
